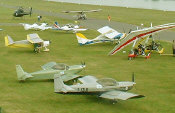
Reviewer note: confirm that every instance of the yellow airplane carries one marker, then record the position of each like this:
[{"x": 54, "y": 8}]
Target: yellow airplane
[{"x": 33, "y": 41}]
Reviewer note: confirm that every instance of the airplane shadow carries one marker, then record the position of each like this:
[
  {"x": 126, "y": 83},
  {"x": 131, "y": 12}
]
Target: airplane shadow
[{"x": 32, "y": 81}]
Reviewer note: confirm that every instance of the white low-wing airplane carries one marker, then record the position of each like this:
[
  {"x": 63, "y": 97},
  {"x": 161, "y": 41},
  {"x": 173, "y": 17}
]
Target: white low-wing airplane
[
  {"x": 106, "y": 88},
  {"x": 35, "y": 26},
  {"x": 107, "y": 35},
  {"x": 68, "y": 27},
  {"x": 135, "y": 36},
  {"x": 81, "y": 14}
]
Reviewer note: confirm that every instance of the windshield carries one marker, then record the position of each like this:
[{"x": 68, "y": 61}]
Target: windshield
[
  {"x": 107, "y": 82},
  {"x": 60, "y": 67}
]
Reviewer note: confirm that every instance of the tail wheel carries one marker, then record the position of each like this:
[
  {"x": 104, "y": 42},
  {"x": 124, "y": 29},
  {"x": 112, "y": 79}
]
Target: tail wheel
[{"x": 130, "y": 58}]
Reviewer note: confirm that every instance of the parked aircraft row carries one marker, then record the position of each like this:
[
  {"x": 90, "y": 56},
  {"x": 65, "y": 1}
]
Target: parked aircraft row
[{"x": 107, "y": 88}]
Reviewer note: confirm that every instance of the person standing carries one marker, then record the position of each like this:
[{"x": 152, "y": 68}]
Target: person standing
[
  {"x": 173, "y": 48},
  {"x": 109, "y": 18}
]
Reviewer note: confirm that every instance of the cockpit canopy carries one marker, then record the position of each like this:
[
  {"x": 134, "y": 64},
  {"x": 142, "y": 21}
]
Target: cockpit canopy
[
  {"x": 60, "y": 66},
  {"x": 107, "y": 82}
]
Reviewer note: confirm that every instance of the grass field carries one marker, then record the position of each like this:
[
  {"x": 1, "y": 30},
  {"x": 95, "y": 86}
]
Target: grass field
[{"x": 154, "y": 77}]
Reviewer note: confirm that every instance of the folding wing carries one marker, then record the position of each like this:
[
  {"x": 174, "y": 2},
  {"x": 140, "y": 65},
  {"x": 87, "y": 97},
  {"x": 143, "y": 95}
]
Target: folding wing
[
  {"x": 119, "y": 95},
  {"x": 134, "y": 35}
]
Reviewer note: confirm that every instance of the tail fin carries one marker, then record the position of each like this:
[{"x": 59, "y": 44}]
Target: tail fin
[
  {"x": 8, "y": 41},
  {"x": 21, "y": 74},
  {"x": 82, "y": 40},
  {"x": 58, "y": 84},
  {"x": 56, "y": 25}
]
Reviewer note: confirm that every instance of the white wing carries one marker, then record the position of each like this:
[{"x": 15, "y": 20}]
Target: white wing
[
  {"x": 119, "y": 95},
  {"x": 140, "y": 34},
  {"x": 108, "y": 32}
]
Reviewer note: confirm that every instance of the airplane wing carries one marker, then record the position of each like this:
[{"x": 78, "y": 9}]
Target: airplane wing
[
  {"x": 34, "y": 38},
  {"x": 68, "y": 77},
  {"x": 119, "y": 95},
  {"x": 109, "y": 32},
  {"x": 48, "y": 65},
  {"x": 82, "y": 11},
  {"x": 134, "y": 35},
  {"x": 88, "y": 79}
]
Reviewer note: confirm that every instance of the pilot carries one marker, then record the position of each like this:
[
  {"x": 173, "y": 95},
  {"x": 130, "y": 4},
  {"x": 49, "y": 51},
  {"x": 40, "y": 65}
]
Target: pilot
[{"x": 37, "y": 47}]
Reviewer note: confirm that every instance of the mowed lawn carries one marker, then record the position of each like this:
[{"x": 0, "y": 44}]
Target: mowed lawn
[{"x": 154, "y": 77}]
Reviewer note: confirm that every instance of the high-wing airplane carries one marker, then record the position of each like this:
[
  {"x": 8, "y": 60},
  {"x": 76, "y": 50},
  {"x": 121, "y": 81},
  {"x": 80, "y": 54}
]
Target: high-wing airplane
[
  {"x": 139, "y": 35},
  {"x": 68, "y": 27},
  {"x": 107, "y": 88},
  {"x": 49, "y": 70},
  {"x": 35, "y": 26},
  {"x": 107, "y": 35},
  {"x": 81, "y": 14},
  {"x": 33, "y": 41},
  {"x": 20, "y": 12}
]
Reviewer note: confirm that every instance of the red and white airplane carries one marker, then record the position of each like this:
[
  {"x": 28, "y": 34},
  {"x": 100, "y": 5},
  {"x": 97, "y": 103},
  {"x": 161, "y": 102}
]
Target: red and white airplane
[{"x": 137, "y": 35}]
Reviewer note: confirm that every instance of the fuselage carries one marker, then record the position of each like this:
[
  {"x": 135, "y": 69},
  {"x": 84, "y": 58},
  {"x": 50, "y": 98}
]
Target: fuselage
[{"x": 97, "y": 88}]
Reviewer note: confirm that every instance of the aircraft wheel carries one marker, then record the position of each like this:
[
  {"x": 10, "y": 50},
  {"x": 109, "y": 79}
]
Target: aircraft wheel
[{"x": 130, "y": 58}]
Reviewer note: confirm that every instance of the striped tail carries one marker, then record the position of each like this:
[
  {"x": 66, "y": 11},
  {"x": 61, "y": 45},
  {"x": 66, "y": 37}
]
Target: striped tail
[{"x": 82, "y": 40}]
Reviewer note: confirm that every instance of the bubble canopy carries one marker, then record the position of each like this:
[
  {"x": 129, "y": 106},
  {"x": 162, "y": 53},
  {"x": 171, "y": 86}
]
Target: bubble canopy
[
  {"x": 107, "y": 82},
  {"x": 60, "y": 66}
]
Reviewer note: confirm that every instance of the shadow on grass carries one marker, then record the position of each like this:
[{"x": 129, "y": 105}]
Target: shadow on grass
[{"x": 33, "y": 81}]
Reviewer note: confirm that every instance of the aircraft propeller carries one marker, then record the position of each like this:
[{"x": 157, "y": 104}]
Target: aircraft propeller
[{"x": 83, "y": 63}]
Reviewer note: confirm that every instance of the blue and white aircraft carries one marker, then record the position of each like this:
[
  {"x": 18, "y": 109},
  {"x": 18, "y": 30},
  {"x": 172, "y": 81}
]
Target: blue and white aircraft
[{"x": 107, "y": 35}]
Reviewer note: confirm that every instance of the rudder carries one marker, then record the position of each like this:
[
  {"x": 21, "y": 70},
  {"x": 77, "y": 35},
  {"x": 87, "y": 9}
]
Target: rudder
[
  {"x": 21, "y": 74},
  {"x": 8, "y": 40},
  {"x": 82, "y": 40}
]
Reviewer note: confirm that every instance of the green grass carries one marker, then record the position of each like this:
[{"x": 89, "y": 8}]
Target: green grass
[{"x": 154, "y": 77}]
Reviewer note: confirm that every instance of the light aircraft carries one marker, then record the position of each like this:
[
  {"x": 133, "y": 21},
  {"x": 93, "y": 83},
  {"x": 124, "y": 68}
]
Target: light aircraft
[
  {"x": 81, "y": 14},
  {"x": 35, "y": 26},
  {"x": 107, "y": 35},
  {"x": 68, "y": 27},
  {"x": 33, "y": 41},
  {"x": 107, "y": 88},
  {"x": 49, "y": 70},
  {"x": 137, "y": 36},
  {"x": 20, "y": 12}
]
